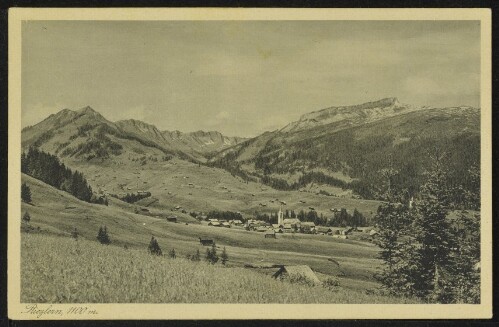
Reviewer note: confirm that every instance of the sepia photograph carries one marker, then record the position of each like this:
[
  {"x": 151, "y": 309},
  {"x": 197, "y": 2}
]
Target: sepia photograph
[{"x": 238, "y": 163}]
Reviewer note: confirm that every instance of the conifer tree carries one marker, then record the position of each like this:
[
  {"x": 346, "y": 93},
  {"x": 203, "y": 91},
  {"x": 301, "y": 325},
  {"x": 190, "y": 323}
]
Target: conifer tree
[
  {"x": 154, "y": 247},
  {"x": 26, "y": 217},
  {"x": 103, "y": 236},
  {"x": 224, "y": 256},
  {"x": 197, "y": 256},
  {"x": 432, "y": 232},
  {"x": 25, "y": 193},
  {"x": 172, "y": 254}
]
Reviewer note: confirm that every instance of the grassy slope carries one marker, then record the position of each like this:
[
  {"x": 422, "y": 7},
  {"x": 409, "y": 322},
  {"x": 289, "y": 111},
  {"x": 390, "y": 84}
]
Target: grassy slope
[
  {"x": 58, "y": 213},
  {"x": 212, "y": 189},
  {"x": 59, "y": 269}
]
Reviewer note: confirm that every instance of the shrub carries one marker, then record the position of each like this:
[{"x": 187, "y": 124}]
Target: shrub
[
  {"x": 25, "y": 193},
  {"x": 172, "y": 254},
  {"x": 331, "y": 283},
  {"x": 154, "y": 247},
  {"x": 300, "y": 279},
  {"x": 103, "y": 236},
  {"x": 74, "y": 234},
  {"x": 26, "y": 217},
  {"x": 196, "y": 257}
]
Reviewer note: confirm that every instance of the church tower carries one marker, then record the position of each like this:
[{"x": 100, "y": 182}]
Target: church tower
[{"x": 280, "y": 217}]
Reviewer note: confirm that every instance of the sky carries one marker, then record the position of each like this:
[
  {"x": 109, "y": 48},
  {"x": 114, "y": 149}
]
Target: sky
[{"x": 242, "y": 78}]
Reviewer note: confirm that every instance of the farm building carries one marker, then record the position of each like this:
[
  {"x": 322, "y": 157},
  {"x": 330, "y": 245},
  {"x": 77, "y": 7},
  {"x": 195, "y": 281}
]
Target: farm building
[
  {"x": 205, "y": 241},
  {"x": 172, "y": 219},
  {"x": 214, "y": 224},
  {"x": 343, "y": 237},
  {"x": 287, "y": 228},
  {"x": 301, "y": 271},
  {"x": 373, "y": 232},
  {"x": 347, "y": 231},
  {"x": 226, "y": 224},
  {"x": 292, "y": 221},
  {"x": 261, "y": 229},
  {"x": 307, "y": 227},
  {"x": 213, "y": 220},
  {"x": 323, "y": 230},
  {"x": 236, "y": 222},
  {"x": 270, "y": 234}
]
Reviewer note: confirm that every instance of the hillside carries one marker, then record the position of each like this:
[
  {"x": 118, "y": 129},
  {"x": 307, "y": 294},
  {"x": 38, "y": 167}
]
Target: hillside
[
  {"x": 351, "y": 144},
  {"x": 133, "y": 276},
  {"x": 57, "y": 213}
]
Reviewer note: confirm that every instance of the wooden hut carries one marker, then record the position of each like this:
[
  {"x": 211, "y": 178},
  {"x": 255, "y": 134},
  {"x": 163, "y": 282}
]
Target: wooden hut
[{"x": 297, "y": 271}]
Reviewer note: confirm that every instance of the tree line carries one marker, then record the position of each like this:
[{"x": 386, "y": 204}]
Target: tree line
[{"x": 47, "y": 168}]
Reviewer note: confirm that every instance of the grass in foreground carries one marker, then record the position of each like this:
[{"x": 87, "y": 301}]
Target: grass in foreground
[{"x": 62, "y": 270}]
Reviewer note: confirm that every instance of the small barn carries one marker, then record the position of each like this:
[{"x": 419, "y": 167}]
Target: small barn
[
  {"x": 172, "y": 219},
  {"x": 261, "y": 229},
  {"x": 205, "y": 241},
  {"x": 226, "y": 224},
  {"x": 270, "y": 234},
  {"x": 373, "y": 232},
  {"x": 214, "y": 224},
  {"x": 301, "y": 271},
  {"x": 324, "y": 230}
]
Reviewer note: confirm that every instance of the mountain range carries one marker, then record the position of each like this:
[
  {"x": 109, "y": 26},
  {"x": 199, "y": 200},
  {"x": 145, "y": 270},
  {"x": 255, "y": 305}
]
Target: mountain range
[{"x": 344, "y": 146}]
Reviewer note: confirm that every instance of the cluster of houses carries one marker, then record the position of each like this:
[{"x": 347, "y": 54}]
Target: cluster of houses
[
  {"x": 287, "y": 225},
  {"x": 224, "y": 223},
  {"x": 294, "y": 225}
]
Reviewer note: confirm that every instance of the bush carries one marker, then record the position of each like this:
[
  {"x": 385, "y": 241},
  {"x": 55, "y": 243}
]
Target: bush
[
  {"x": 74, "y": 234},
  {"x": 331, "y": 283},
  {"x": 300, "y": 279},
  {"x": 26, "y": 217},
  {"x": 172, "y": 254},
  {"x": 154, "y": 247},
  {"x": 103, "y": 236}
]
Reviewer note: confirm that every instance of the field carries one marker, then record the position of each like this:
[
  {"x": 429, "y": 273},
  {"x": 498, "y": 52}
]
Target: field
[
  {"x": 59, "y": 269},
  {"x": 201, "y": 188}
]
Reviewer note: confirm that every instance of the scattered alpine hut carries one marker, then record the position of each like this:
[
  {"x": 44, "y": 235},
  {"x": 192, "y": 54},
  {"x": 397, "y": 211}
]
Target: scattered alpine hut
[
  {"x": 226, "y": 224},
  {"x": 270, "y": 234},
  {"x": 206, "y": 241},
  {"x": 214, "y": 224},
  {"x": 172, "y": 219},
  {"x": 324, "y": 230},
  {"x": 347, "y": 231},
  {"x": 301, "y": 271}
]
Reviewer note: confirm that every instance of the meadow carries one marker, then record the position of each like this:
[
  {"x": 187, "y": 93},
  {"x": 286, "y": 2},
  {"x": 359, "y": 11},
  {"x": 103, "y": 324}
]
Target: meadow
[
  {"x": 59, "y": 269},
  {"x": 58, "y": 213}
]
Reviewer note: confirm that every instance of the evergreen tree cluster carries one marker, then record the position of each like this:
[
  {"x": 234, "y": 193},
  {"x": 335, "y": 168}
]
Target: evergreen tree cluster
[
  {"x": 225, "y": 215},
  {"x": 211, "y": 254},
  {"x": 133, "y": 197},
  {"x": 47, "y": 168},
  {"x": 103, "y": 236},
  {"x": 25, "y": 193},
  {"x": 153, "y": 247},
  {"x": 426, "y": 254}
]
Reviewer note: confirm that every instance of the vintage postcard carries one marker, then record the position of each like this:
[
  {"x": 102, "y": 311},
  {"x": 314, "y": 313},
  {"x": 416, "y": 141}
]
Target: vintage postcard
[{"x": 249, "y": 164}]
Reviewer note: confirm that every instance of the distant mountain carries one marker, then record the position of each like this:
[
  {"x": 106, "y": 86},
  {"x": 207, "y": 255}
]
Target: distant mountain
[
  {"x": 347, "y": 146},
  {"x": 86, "y": 134},
  {"x": 342, "y": 147}
]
